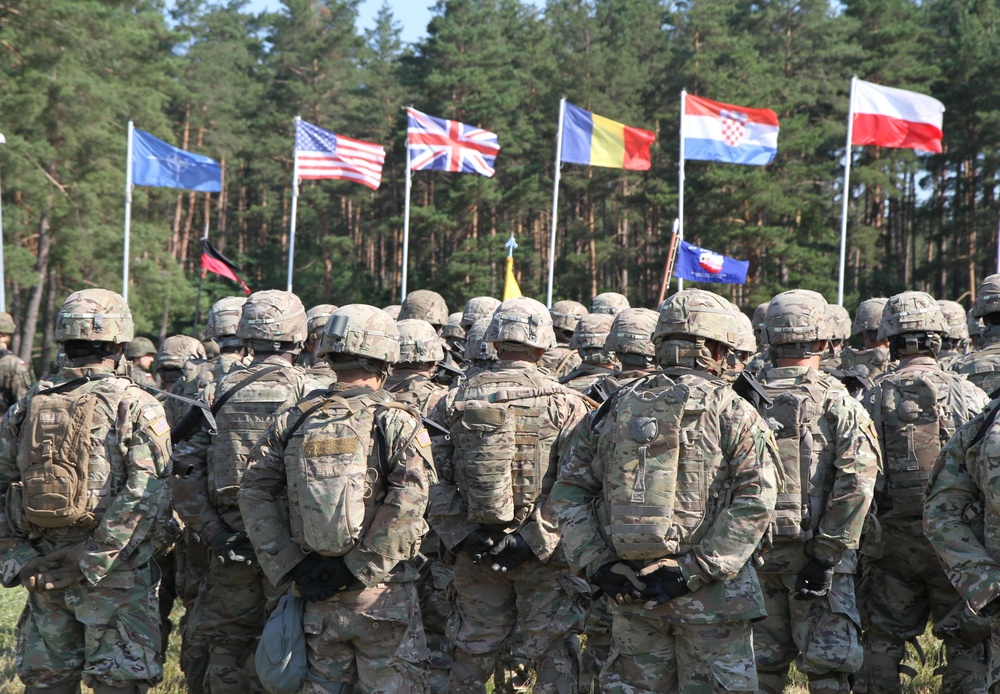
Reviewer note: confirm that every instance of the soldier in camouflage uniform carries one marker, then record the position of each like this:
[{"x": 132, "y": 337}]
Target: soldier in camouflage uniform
[
  {"x": 872, "y": 360},
  {"x": 762, "y": 359},
  {"x": 425, "y": 305},
  {"x": 453, "y": 335},
  {"x": 829, "y": 460},
  {"x": 171, "y": 362},
  {"x": 420, "y": 350},
  {"x": 393, "y": 310},
  {"x": 515, "y": 598},
  {"x": 479, "y": 353},
  {"x": 563, "y": 358},
  {"x": 362, "y": 619},
  {"x": 672, "y": 560},
  {"x": 15, "y": 376},
  {"x": 81, "y": 541},
  {"x": 745, "y": 347},
  {"x": 141, "y": 352},
  {"x": 316, "y": 319},
  {"x": 476, "y": 308},
  {"x": 611, "y": 303},
  {"x": 207, "y": 472},
  {"x": 982, "y": 366},
  {"x": 631, "y": 341},
  {"x": 955, "y": 342},
  {"x": 595, "y": 362},
  {"x": 916, "y": 407},
  {"x": 841, "y": 321}
]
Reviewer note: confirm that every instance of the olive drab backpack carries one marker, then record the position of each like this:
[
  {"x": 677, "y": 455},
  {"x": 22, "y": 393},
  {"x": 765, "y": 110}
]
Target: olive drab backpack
[
  {"x": 913, "y": 422},
  {"x": 796, "y": 413}
]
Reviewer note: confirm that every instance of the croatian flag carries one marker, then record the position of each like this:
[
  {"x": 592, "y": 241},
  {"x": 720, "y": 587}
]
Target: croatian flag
[
  {"x": 714, "y": 131},
  {"x": 702, "y": 265},
  {"x": 437, "y": 144},
  {"x": 889, "y": 117}
]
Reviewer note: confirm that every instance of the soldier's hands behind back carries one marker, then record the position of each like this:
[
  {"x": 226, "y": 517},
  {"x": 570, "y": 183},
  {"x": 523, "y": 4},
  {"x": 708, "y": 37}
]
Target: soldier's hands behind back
[
  {"x": 320, "y": 578},
  {"x": 662, "y": 585},
  {"x": 31, "y": 572},
  {"x": 620, "y": 582},
  {"x": 477, "y": 544},
  {"x": 510, "y": 552},
  {"x": 61, "y": 569},
  {"x": 232, "y": 548},
  {"x": 814, "y": 580}
]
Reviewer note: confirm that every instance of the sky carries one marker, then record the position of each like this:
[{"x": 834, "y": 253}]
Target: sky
[{"x": 412, "y": 15}]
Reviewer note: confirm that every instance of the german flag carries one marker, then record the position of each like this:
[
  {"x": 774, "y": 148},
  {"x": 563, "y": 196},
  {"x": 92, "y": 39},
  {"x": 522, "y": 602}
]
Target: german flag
[{"x": 212, "y": 260}]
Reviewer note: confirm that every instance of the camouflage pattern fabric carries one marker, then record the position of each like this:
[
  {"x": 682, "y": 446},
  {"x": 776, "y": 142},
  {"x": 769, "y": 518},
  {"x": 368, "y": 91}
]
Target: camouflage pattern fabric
[
  {"x": 584, "y": 376},
  {"x": 982, "y": 366},
  {"x": 416, "y": 389},
  {"x": 129, "y": 495},
  {"x": 560, "y": 360},
  {"x": 15, "y": 379},
  {"x": 870, "y": 363}
]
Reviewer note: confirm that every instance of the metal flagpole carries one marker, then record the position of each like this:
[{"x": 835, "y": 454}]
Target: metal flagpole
[
  {"x": 847, "y": 190},
  {"x": 406, "y": 220},
  {"x": 201, "y": 279},
  {"x": 295, "y": 205},
  {"x": 128, "y": 210},
  {"x": 555, "y": 201},
  {"x": 680, "y": 184},
  {"x": 3, "y": 284},
  {"x": 998, "y": 259}
]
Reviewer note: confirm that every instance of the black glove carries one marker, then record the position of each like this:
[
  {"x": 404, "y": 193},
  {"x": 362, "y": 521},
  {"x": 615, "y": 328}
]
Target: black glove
[
  {"x": 232, "y": 548},
  {"x": 619, "y": 582},
  {"x": 662, "y": 585},
  {"x": 510, "y": 552},
  {"x": 814, "y": 581},
  {"x": 477, "y": 545},
  {"x": 320, "y": 578}
]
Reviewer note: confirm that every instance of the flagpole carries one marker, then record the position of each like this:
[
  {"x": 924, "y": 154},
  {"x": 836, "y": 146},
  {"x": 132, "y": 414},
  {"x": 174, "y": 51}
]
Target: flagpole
[
  {"x": 128, "y": 210},
  {"x": 295, "y": 206},
  {"x": 3, "y": 283},
  {"x": 680, "y": 185},
  {"x": 555, "y": 201},
  {"x": 201, "y": 279},
  {"x": 847, "y": 190},
  {"x": 406, "y": 222}
]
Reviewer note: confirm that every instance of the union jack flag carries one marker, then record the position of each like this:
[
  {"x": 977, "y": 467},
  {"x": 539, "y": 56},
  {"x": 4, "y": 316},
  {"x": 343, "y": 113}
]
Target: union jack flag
[{"x": 437, "y": 144}]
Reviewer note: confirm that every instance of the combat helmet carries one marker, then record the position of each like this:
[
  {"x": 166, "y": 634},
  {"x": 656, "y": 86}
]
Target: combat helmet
[
  {"x": 987, "y": 298},
  {"x": 794, "y": 321},
  {"x": 957, "y": 336},
  {"x": 867, "y": 318},
  {"x": 912, "y": 322},
  {"x": 178, "y": 350},
  {"x": 95, "y": 315},
  {"x": 521, "y": 323},
  {"x": 477, "y": 349},
  {"x": 425, "y": 305},
  {"x": 392, "y": 310},
  {"x": 419, "y": 341},
  {"x": 609, "y": 302},
  {"x": 841, "y": 320},
  {"x": 360, "y": 336},
  {"x": 478, "y": 307},
  {"x": 746, "y": 336},
  {"x": 687, "y": 320},
  {"x": 273, "y": 321},
  {"x": 316, "y": 319},
  {"x": 631, "y": 337},
  {"x": 566, "y": 314},
  {"x": 453, "y": 328},
  {"x": 758, "y": 322},
  {"x": 7, "y": 326},
  {"x": 590, "y": 336},
  {"x": 140, "y": 347},
  {"x": 224, "y": 320}
]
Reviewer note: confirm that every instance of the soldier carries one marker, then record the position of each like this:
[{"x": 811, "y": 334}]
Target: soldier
[
  {"x": 562, "y": 359},
  {"x": 392, "y": 310},
  {"x": 476, "y": 308},
  {"x": 316, "y": 319},
  {"x": 829, "y": 460},
  {"x": 675, "y": 570},
  {"x": 83, "y": 490},
  {"x": 142, "y": 353},
  {"x": 479, "y": 353},
  {"x": 841, "y": 321},
  {"x": 425, "y": 305},
  {"x": 745, "y": 347},
  {"x": 955, "y": 342},
  {"x": 762, "y": 359},
  {"x": 207, "y": 472},
  {"x": 420, "y": 350},
  {"x": 513, "y": 592},
  {"x": 916, "y": 407},
  {"x": 345, "y": 537},
  {"x": 171, "y": 360},
  {"x": 631, "y": 341},
  {"x": 15, "y": 375},
  {"x": 982, "y": 366},
  {"x": 872, "y": 360},
  {"x": 611, "y": 303},
  {"x": 454, "y": 338},
  {"x": 589, "y": 339}
]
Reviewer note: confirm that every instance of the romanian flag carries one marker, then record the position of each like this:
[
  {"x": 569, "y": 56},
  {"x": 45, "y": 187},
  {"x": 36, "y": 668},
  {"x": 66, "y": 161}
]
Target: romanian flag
[{"x": 594, "y": 140}]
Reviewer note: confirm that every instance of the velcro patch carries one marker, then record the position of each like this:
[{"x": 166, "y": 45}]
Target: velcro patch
[
  {"x": 423, "y": 438},
  {"x": 159, "y": 426},
  {"x": 333, "y": 446}
]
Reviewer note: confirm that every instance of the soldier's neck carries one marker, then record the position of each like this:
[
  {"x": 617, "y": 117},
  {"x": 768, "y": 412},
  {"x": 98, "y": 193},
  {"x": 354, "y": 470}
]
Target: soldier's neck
[{"x": 812, "y": 361}]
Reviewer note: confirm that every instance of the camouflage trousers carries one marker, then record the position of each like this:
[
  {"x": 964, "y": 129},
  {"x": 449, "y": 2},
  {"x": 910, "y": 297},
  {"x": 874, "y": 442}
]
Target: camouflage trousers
[
  {"x": 899, "y": 591},
  {"x": 654, "y": 656},
  {"x": 822, "y": 636},
  {"x": 597, "y": 646},
  {"x": 230, "y": 612},
  {"x": 108, "y": 634},
  {"x": 192, "y": 561},
  {"x": 435, "y": 608},
  {"x": 529, "y": 616},
  {"x": 370, "y": 639}
]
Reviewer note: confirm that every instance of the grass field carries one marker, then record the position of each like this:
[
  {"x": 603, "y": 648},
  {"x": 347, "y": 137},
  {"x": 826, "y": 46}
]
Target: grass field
[{"x": 12, "y": 601}]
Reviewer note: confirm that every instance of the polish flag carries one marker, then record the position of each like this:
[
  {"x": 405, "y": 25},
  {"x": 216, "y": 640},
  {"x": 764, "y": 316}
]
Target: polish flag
[{"x": 888, "y": 117}]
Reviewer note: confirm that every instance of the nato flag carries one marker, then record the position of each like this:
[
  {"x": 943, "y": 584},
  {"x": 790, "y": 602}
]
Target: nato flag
[{"x": 155, "y": 163}]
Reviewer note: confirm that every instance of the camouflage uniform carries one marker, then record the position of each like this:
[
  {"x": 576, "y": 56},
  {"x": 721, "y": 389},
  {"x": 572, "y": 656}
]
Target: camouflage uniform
[
  {"x": 479, "y": 354},
  {"x": 316, "y": 319},
  {"x": 563, "y": 358},
  {"x": 365, "y": 631},
  {"x": 15, "y": 375},
  {"x": 103, "y": 626},
  {"x": 529, "y": 613},
  {"x": 819, "y": 517},
  {"x": 841, "y": 321},
  {"x": 230, "y": 607},
  {"x": 982, "y": 366},
  {"x": 136, "y": 349},
  {"x": 956, "y": 341},
  {"x": 902, "y": 582},
  {"x": 631, "y": 341},
  {"x": 173, "y": 367},
  {"x": 588, "y": 340}
]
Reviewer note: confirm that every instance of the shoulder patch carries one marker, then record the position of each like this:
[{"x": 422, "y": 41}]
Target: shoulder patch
[
  {"x": 159, "y": 426},
  {"x": 423, "y": 438}
]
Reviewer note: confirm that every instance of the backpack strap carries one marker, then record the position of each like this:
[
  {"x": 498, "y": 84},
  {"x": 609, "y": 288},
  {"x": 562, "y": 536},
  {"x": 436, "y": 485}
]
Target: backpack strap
[
  {"x": 76, "y": 383},
  {"x": 200, "y": 411}
]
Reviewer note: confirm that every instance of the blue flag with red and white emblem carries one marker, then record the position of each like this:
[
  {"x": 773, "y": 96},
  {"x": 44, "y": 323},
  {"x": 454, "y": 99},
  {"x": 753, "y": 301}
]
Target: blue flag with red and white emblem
[
  {"x": 702, "y": 265},
  {"x": 437, "y": 144}
]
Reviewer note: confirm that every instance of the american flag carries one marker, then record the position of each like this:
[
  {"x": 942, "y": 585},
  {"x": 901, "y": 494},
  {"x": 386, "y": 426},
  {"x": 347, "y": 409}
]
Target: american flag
[
  {"x": 447, "y": 145},
  {"x": 322, "y": 154}
]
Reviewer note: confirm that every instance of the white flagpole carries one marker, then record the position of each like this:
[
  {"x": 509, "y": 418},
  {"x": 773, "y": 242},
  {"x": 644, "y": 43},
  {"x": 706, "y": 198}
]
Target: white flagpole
[
  {"x": 128, "y": 210},
  {"x": 680, "y": 185},
  {"x": 295, "y": 205},
  {"x": 847, "y": 191},
  {"x": 555, "y": 201},
  {"x": 406, "y": 221},
  {"x": 3, "y": 294}
]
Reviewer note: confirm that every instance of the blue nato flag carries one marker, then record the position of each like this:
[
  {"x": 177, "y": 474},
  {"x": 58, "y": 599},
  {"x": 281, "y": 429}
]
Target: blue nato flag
[{"x": 155, "y": 163}]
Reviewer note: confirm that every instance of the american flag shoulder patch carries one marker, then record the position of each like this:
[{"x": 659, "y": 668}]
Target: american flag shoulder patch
[
  {"x": 423, "y": 438},
  {"x": 159, "y": 426}
]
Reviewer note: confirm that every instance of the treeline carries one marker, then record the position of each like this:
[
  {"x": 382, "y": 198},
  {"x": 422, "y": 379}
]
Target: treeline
[{"x": 217, "y": 79}]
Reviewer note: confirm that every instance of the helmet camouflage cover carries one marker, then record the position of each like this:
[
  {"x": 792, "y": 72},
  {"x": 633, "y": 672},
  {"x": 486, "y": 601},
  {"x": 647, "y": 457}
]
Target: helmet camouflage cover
[
  {"x": 566, "y": 314},
  {"x": 273, "y": 317},
  {"x": 868, "y": 316},
  {"x": 478, "y": 307},
  {"x": 841, "y": 320},
  {"x": 522, "y": 321},
  {"x": 419, "y": 341},
  {"x": 632, "y": 332},
  {"x": 476, "y": 347},
  {"x": 453, "y": 328},
  {"x": 911, "y": 312},
  {"x": 609, "y": 302},
  {"x": 955, "y": 317},
  {"x": 987, "y": 297},
  {"x": 95, "y": 315},
  {"x": 425, "y": 305},
  {"x": 362, "y": 331},
  {"x": 224, "y": 320},
  {"x": 140, "y": 347},
  {"x": 316, "y": 319},
  {"x": 797, "y": 316},
  {"x": 177, "y": 350},
  {"x": 697, "y": 313}
]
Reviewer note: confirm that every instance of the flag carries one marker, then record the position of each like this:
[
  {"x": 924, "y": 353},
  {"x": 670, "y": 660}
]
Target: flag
[
  {"x": 155, "y": 163},
  {"x": 212, "y": 260},
  {"x": 322, "y": 154},
  {"x": 889, "y": 117},
  {"x": 436, "y": 144},
  {"x": 702, "y": 265},
  {"x": 714, "y": 131},
  {"x": 510, "y": 288},
  {"x": 594, "y": 140}
]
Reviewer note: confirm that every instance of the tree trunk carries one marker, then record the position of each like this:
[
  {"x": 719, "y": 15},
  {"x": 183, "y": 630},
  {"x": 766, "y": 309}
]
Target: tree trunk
[
  {"x": 48, "y": 332},
  {"x": 35, "y": 302}
]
